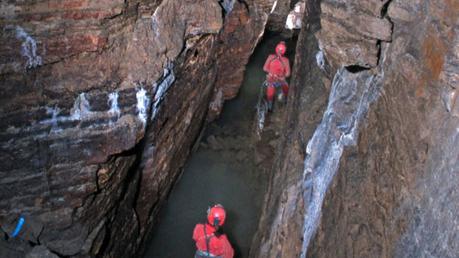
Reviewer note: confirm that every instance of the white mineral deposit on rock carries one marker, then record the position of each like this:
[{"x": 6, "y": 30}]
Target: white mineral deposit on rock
[
  {"x": 227, "y": 5},
  {"x": 295, "y": 17},
  {"x": 162, "y": 87},
  {"x": 113, "y": 102},
  {"x": 142, "y": 104},
  {"x": 274, "y": 7},
  {"x": 28, "y": 48},
  {"x": 81, "y": 108},
  {"x": 320, "y": 59},
  {"x": 348, "y": 105},
  {"x": 53, "y": 112}
]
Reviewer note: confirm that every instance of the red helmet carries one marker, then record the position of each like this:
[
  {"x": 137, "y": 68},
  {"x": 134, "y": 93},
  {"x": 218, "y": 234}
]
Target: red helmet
[
  {"x": 281, "y": 48},
  {"x": 216, "y": 215}
]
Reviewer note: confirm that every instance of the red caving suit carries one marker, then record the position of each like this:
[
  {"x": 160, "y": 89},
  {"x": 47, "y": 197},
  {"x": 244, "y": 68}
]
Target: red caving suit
[
  {"x": 218, "y": 246},
  {"x": 278, "y": 68}
]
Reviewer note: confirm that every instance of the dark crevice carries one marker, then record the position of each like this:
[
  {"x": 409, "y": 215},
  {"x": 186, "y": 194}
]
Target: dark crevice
[
  {"x": 112, "y": 214},
  {"x": 132, "y": 176},
  {"x": 384, "y": 15},
  {"x": 385, "y": 8},
  {"x": 293, "y": 3},
  {"x": 379, "y": 47},
  {"x": 356, "y": 68},
  {"x": 105, "y": 242},
  {"x": 246, "y": 5}
]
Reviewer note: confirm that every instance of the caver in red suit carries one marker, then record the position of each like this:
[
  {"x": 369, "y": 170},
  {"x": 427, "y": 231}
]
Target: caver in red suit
[
  {"x": 208, "y": 242},
  {"x": 277, "y": 67}
]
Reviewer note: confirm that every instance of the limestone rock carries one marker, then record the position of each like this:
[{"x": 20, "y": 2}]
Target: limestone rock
[
  {"x": 278, "y": 15},
  {"x": 40, "y": 251},
  {"x": 243, "y": 28},
  {"x": 101, "y": 102},
  {"x": 351, "y": 31},
  {"x": 394, "y": 193},
  {"x": 296, "y": 16}
]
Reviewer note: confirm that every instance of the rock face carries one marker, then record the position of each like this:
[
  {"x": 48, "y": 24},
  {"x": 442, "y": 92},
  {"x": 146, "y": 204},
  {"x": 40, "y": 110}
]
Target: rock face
[
  {"x": 352, "y": 31},
  {"x": 242, "y": 30},
  {"x": 394, "y": 189},
  {"x": 395, "y": 186},
  {"x": 279, "y": 13},
  {"x": 280, "y": 227},
  {"x": 101, "y": 103},
  {"x": 295, "y": 16}
]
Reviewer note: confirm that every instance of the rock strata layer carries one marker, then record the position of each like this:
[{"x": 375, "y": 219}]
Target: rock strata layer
[{"x": 101, "y": 103}]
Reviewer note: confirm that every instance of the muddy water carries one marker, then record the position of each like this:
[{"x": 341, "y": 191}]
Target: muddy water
[{"x": 224, "y": 170}]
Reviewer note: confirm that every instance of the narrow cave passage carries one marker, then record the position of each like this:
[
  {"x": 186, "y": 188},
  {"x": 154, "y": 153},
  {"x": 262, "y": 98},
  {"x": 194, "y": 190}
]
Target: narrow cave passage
[{"x": 229, "y": 168}]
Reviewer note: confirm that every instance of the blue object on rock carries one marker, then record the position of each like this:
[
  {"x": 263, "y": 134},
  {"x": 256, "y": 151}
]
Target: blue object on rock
[{"x": 18, "y": 227}]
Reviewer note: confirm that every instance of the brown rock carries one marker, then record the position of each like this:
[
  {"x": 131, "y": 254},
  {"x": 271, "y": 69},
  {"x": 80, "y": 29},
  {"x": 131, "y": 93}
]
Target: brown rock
[
  {"x": 350, "y": 35},
  {"x": 101, "y": 103},
  {"x": 242, "y": 29},
  {"x": 393, "y": 192}
]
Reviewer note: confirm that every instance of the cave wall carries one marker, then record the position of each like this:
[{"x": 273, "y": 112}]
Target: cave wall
[
  {"x": 242, "y": 32},
  {"x": 101, "y": 103},
  {"x": 280, "y": 10},
  {"x": 394, "y": 193},
  {"x": 280, "y": 228}
]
